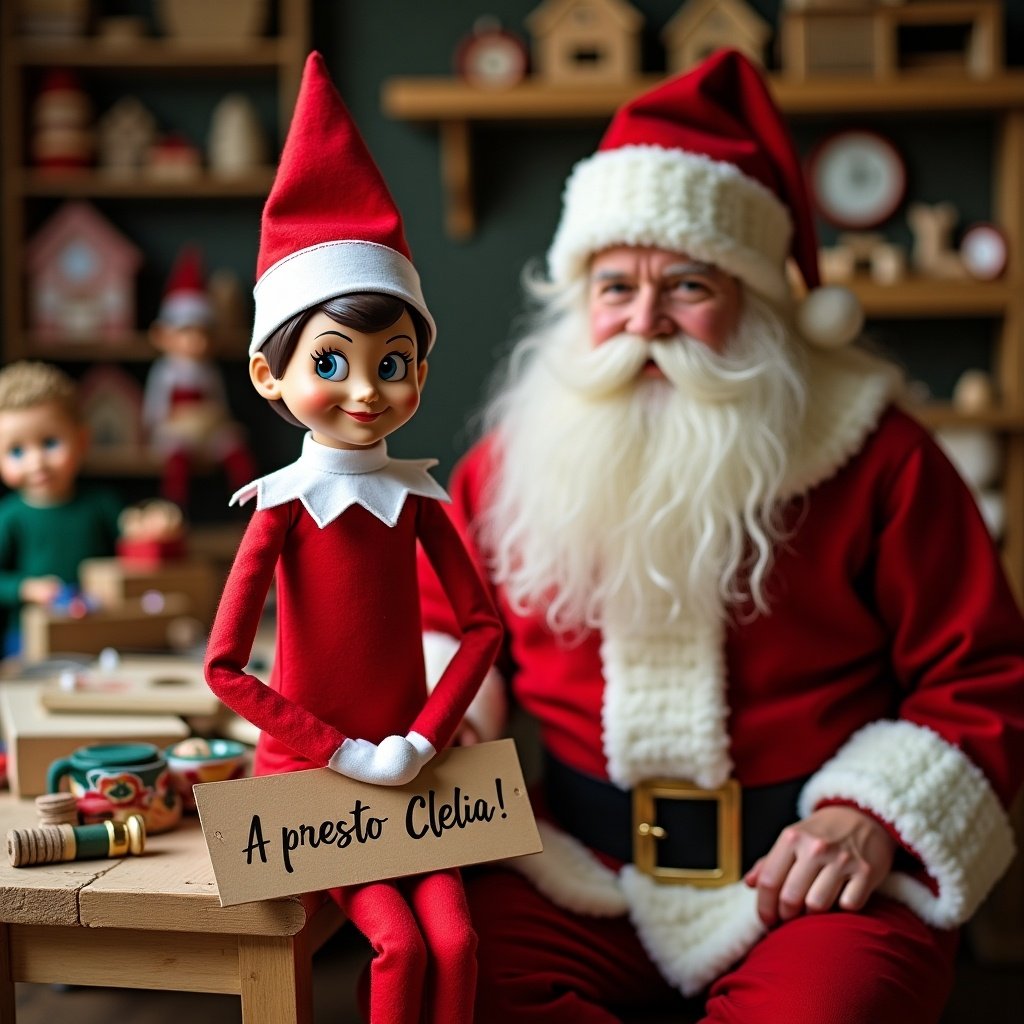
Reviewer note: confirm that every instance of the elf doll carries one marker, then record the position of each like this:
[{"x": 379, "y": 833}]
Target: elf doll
[
  {"x": 185, "y": 410},
  {"x": 339, "y": 346}
]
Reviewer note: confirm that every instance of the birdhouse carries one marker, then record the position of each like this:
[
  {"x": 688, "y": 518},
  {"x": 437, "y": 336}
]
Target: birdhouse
[
  {"x": 700, "y": 27},
  {"x": 81, "y": 273},
  {"x": 111, "y": 404},
  {"x": 586, "y": 41}
]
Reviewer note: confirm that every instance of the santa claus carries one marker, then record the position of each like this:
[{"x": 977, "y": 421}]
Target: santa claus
[{"x": 776, "y": 667}]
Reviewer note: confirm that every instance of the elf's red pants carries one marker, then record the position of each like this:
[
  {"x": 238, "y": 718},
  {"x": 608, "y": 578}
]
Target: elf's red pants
[
  {"x": 541, "y": 964},
  {"x": 424, "y": 943}
]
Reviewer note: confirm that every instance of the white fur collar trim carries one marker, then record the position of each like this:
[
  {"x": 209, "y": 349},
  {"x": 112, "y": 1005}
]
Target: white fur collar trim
[
  {"x": 848, "y": 390},
  {"x": 665, "y": 709},
  {"x": 329, "y": 480}
]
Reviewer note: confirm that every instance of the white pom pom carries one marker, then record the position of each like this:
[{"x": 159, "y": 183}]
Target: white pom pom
[{"x": 830, "y": 317}]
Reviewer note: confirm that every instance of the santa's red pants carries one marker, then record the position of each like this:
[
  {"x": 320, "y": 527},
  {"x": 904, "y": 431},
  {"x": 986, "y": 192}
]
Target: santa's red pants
[
  {"x": 541, "y": 964},
  {"x": 424, "y": 945}
]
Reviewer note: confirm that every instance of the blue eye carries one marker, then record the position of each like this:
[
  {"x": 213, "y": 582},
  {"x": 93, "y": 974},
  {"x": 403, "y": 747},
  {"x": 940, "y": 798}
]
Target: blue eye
[
  {"x": 16, "y": 452},
  {"x": 50, "y": 443},
  {"x": 393, "y": 367},
  {"x": 330, "y": 365}
]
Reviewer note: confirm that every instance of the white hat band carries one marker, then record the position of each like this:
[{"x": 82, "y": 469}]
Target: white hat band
[
  {"x": 672, "y": 199},
  {"x": 326, "y": 271}
]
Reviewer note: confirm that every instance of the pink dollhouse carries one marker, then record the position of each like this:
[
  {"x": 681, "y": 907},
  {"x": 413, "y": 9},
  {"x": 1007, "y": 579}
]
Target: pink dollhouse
[{"x": 81, "y": 278}]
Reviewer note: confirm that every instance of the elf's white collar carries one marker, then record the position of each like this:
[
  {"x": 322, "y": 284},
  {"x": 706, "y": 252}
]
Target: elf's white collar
[{"x": 329, "y": 480}]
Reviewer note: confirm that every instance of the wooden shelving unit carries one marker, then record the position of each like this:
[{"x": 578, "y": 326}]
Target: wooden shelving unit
[
  {"x": 150, "y": 63},
  {"x": 457, "y": 107}
]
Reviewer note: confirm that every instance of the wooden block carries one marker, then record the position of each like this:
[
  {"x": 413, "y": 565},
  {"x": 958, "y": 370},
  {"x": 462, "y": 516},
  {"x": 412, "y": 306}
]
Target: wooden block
[
  {"x": 162, "y": 685},
  {"x": 35, "y": 737},
  {"x": 114, "y": 581},
  {"x": 45, "y": 632}
]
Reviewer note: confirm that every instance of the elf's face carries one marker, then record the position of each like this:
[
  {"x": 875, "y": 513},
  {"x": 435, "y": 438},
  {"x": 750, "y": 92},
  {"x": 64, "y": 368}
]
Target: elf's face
[{"x": 351, "y": 389}]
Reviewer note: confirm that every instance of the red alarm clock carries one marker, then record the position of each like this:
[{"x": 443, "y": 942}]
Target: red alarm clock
[{"x": 490, "y": 57}]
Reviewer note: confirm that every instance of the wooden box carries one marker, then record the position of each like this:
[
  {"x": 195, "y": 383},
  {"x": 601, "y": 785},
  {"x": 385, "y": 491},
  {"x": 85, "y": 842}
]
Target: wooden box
[
  {"x": 45, "y": 632},
  {"x": 117, "y": 581},
  {"x": 161, "y": 684},
  {"x": 36, "y": 737}
]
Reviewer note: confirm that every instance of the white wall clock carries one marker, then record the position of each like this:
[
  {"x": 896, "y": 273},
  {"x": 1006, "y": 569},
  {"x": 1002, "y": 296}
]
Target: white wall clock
[{"x": 857, "y": 179}]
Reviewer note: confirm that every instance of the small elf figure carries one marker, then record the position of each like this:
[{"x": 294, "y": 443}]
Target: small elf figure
[
  {"x": 339, "y": 346},
  {"x": 185, "y": 410}
]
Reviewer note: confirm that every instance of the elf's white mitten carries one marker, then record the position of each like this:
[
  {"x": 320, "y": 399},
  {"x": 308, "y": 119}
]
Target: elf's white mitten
[{"x": 395, "y": 761}]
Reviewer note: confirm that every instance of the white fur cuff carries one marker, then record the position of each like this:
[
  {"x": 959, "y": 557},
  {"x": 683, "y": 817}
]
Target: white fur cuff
[{"x": 939, "y": 803}]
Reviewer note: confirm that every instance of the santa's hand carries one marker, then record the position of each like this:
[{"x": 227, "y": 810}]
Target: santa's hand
[
  {"x": 393, "y": 762},
  {"x": 837, "y": 854}
]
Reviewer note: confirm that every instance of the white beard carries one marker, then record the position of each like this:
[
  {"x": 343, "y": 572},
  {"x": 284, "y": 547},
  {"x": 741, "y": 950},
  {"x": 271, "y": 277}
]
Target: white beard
[{"x": 619, "y": 490}]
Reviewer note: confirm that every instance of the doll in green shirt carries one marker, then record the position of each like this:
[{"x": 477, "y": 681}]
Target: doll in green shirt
[{"x": 48, "y": 525}]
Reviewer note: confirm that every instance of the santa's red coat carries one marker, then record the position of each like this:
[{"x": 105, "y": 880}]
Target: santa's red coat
[{"x": 890, "y": 668}]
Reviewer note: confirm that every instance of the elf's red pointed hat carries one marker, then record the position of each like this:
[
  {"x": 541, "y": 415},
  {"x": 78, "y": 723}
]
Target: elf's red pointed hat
[
  {"x": 185, "y": 302},
  {"x": 330, "y": 226},
  {"x": 703, "y": 164}
]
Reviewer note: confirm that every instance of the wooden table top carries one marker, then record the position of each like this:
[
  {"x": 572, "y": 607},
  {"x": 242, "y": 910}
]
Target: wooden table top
[{"x": 170, "y": 887}]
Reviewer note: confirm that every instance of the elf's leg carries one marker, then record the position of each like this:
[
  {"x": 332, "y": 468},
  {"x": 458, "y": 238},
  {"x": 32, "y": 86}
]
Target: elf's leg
[
  {"x": 174, "y": 483},
  {"x": 439, "y": 902},
  {"x": 882, "y": 965},
  {"x": 382, "y": 914}
]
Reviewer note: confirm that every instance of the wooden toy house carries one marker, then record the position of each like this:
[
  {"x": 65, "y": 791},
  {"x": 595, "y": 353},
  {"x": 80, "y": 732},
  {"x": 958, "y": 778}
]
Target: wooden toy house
[
  {"x": 111, "y": 403},
  {"x": 880, "y": 40},
  {"x": 81, "y": 272},
  {"x": 586, "y": 41},
  {"x": 700, "y": 27}
]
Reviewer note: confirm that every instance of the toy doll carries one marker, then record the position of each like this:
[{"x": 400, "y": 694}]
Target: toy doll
[
  {"x": 48, "y": 524},
  {"x": 339, "y": 346},
  {"x": 185, "y": 409}
]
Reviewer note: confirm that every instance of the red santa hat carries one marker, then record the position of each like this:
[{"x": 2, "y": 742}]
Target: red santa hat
[
  {"x": 330, "y": 226},
  {"x": 704, "y": 164},
  {"x": 186, "y": 302}
]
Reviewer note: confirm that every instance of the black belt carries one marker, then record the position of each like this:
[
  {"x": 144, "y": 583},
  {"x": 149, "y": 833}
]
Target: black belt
[{"x": 683, "y": 841}]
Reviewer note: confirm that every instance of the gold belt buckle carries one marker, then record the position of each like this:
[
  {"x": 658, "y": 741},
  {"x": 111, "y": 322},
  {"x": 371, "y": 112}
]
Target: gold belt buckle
[{"x": 646, "y": 831}]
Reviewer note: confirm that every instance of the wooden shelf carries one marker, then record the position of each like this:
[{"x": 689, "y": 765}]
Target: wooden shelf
[
  {"x": 924, "y": 298},
  {"x": 438, "y": 99},
  {"x": 148, "y": 55},
  {"x": 134, "y": 348},
  {"x": 97, "y": 185},
  {"x": 455, "y": 106},
  {"x": 124, "y": 464},
  {"x": 938, "y": 415}
]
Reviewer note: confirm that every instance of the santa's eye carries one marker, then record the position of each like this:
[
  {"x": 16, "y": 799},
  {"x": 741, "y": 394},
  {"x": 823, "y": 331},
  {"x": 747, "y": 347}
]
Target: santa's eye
[
  {"x": 330, "y": 365},
  {"x": 393, "y": 366}
]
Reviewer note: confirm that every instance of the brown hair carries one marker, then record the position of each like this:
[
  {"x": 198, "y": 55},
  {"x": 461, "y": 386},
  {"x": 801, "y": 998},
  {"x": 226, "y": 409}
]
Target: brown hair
[
  {"x": 364, "y": 311},
  {"x": 26, "y": 384}
]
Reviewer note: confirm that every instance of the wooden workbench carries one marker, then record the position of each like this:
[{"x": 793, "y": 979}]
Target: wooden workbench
[{"x": 155, "y": 922}]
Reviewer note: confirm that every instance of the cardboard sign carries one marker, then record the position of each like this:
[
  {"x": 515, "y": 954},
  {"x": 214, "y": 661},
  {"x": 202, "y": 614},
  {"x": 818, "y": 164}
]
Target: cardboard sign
[{"x": 305, "y": 831}]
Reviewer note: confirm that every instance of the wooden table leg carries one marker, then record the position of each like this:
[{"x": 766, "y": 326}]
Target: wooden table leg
[
  {"x": 6, "y": 981},
  {"x": 275, "y": 979}
]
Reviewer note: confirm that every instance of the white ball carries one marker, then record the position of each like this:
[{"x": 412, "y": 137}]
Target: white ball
[{"x": 830, "y": 317}]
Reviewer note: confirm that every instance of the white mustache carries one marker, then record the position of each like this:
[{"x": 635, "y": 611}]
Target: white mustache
[{"x": 692, "y": 367}]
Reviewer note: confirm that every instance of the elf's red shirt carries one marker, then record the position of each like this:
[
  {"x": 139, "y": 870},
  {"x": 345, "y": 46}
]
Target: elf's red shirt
[{"x": 348, "y": 658}]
